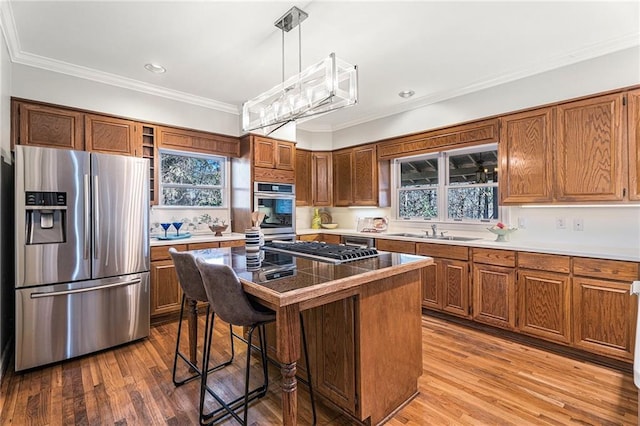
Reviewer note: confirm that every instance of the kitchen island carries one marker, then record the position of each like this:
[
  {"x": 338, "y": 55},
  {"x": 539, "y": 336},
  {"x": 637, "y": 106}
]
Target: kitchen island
[{"x": 362, "y": 320}]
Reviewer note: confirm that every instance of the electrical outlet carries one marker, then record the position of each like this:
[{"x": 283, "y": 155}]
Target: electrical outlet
[
  {"x": 561, "y": 223},
  {"x": 522, "y": 223},
  {"x": 578, "y": 224}
]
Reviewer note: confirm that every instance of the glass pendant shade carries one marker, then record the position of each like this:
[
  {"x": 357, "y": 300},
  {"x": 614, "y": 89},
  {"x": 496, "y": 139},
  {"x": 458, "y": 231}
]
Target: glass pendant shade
[{"x": 326, "y": 86}]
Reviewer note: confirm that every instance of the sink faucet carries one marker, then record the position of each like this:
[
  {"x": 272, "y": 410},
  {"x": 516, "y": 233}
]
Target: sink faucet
[{"x": 434, "y": 229}]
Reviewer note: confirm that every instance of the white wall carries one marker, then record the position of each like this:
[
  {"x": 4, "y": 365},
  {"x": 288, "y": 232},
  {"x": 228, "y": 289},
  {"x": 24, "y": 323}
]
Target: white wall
[
  {"x": 47, "y": 86},
  {"x": 613, "y": 71}
]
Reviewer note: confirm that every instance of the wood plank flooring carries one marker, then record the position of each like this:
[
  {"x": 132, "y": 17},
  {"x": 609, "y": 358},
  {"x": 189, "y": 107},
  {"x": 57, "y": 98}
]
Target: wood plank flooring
[{"x": 470, "y": 378}]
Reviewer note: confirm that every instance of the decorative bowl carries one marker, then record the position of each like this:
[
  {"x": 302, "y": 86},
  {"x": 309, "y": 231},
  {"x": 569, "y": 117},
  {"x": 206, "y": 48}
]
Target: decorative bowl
[
  {"x": 218, "y": 229},
  {"x": 501, "y": 232},
  {"x": 330, "y": 225}
]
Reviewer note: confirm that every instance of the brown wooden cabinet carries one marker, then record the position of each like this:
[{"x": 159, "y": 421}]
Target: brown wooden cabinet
[
  {"x": 526, "y": 157},
  {"x": 544, "y": 296},
  {"x": 494, "y": 287},
  {"x": 111, "y": 135},
  {"x": 196, "y": 141},
  {"x": 303, "y": 178},
  {"x": 47, "y": 126},
  {"x": 633, "y": 110},
  {"x": 273, "y": 153},
  {"x": 355, "y": 176},
  {"x": 321, "y": 179},
  {"x": 604, "y": 312},
  {"x": 445, "y": 284},
  {"x": 589, "y": 150},
  {"x": 396, "y": 246},
  {"x": 149, "y": 151}
]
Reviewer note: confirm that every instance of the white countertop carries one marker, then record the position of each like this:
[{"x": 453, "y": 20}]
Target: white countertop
[
  {"x": 613, "y": 253},
  {"x": 197, "y": 238}
]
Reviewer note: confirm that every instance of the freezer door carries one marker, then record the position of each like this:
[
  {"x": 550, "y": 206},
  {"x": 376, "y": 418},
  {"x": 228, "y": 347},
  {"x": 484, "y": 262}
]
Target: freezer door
[
  {"x": 120, "y": 215},
  {"x": 53, "y": 237},
  {"x": 58, "y": 322}
]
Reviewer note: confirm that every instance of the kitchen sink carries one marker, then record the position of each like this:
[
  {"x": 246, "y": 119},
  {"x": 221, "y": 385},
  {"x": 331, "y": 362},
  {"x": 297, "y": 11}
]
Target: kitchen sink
[{"x": 431, "y": 237}]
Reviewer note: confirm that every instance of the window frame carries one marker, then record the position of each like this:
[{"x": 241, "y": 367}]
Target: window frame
[
  {"x": 443, "y": 186},
  {"x": 224, "y": 187}
]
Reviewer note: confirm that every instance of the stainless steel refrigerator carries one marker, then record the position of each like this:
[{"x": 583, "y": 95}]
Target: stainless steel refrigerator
[{"x": 82, "y": 253}]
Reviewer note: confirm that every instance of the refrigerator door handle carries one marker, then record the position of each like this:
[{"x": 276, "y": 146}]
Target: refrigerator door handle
[
  {"x": 38, "y": 295},
  {"x": 96, "y": 215},
  {"x": 87, "y": 218}
]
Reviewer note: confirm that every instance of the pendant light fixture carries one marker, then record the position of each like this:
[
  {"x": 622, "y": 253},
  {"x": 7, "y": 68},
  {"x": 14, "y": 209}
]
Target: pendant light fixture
[{"x": 323, "y": 87}]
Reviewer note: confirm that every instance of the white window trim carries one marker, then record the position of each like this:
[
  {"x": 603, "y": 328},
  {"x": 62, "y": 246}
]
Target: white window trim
[
  {"x": 225, "y": 187},
  {"x": 443, "y": 186}
]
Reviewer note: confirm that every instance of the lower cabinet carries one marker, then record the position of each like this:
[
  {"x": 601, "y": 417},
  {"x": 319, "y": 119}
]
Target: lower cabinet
[
  {"x": 494, "y": 287},
  {"x": 445, "y": 284},
  {"x": 604, "y": 313}
]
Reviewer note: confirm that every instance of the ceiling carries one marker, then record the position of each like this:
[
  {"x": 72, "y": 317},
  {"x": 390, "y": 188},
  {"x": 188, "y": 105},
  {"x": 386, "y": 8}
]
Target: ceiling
[{"x": 219, "y": 54}]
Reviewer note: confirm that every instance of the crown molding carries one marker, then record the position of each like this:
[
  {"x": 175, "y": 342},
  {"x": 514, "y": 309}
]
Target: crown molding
[{"x": 591, "y": 52}]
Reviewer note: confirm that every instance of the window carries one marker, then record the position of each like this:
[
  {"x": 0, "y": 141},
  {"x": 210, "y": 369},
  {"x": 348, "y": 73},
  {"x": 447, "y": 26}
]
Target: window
[
  {"x": 189, "y": 179},
  {"x": 457, "y": 185}
]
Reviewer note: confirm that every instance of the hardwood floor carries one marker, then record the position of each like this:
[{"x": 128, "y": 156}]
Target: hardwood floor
[{"x": 470, "y": 378}]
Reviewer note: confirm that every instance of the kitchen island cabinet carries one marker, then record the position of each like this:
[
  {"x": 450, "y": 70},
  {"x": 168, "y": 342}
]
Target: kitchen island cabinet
[{"x": 364, "y": 322}]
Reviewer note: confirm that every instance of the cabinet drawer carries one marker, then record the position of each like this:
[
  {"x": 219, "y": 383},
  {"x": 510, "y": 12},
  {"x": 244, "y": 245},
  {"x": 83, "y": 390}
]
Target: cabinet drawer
[
  {"x": 203, "y": 246},
  {"x": 396, "y": 246},
  {"x": 232, "y": 243},
  {"x": 162, "y": 252},
  {"x": 494, "y": 257},
  {"x": 606, "y": 269},
  {"x": 544, "y": 262},
  {"x": 442, "y": 250}
]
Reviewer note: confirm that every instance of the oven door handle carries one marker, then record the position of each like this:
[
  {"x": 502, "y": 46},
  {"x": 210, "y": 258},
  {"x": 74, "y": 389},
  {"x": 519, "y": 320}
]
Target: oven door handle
[{"x": 281, "y": 196}]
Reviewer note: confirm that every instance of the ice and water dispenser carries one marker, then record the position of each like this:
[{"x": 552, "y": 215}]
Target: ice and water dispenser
[{"x": 45, "y": 219}]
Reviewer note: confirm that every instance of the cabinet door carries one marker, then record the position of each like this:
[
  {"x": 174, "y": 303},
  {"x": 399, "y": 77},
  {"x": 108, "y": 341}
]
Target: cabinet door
[
  {"x": 173, "y": 138},
  {"x": 50, "y": 127},
  {"x": 453, "y": 276},
  {"x": 335, "y": 352},
  {"x": 634, "y": 144},
  {"x": 604, "y": 317},
  {"x": 342, "y": 178},
  {"x": 111, "y": 135},
  {"x": 285, "y": 155},
  {"x": 494, "y": 295},
  {"x": 526, "y": 157},
  {"x": 166, "y": 293},
  {"x": 589, "y": 147},
  {"x": 431, "y": 289},
  {"x": 303, "y": 178},
  {"x": 545, "y": 305},
  {"x": 264, "y": 152},
  {"x": 321, "y": 179},
  {"x": 396, "y": 246},
  {"x": 365, "y": 176}
]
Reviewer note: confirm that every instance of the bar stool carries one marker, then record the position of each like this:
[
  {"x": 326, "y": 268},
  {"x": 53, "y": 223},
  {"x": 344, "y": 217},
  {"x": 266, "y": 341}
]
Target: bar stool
[
  {"x": 231, "y": 304},
  {"x": 192, "y": 288}
]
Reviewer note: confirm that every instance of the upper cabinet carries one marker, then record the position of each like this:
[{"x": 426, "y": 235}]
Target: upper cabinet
[
  {"x": 314, "y": 178},
  {"x": 633, "y": 111},
  {"x": 589, "y": 150},
  {"x": 273, "y": 154},
  {"x": 204, "y": 142},
  {"x": 526, "y": 136},
  {"x": 111, "y": 135},
  {"x": 355, "y": 173},
  {"x": 572, "y": 152},
  {"x": 41, "y": 125}
]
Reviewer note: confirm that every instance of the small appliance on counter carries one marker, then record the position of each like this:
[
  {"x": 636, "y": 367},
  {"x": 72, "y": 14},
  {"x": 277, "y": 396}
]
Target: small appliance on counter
[{"x": 372, "y": 224}]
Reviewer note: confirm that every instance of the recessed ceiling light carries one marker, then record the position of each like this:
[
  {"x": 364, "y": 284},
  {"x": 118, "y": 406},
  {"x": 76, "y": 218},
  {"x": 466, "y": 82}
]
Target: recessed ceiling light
[
  {"x": 157, "y": 69},
  {"x": 406, "y": 94}
]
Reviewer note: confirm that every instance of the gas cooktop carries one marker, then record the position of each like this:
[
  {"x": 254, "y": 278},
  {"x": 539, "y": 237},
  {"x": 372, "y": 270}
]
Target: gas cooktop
[{"x": 334, "y": 253}]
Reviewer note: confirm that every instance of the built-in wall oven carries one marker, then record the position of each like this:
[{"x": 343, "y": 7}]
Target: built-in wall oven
[{"x": 278, "y": 203}]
